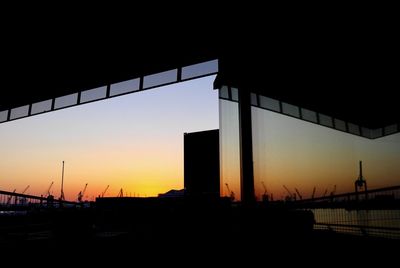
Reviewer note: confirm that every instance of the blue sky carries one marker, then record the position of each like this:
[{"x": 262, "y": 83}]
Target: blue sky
[{"x": 134, "y": 142}]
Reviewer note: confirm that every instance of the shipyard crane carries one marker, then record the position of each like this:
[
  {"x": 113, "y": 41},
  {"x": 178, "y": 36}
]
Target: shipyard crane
[
  {"x": 81, "y": 194},
  {"x": 105, "y": 190},
  {"x": 120, "y": 193},
  {"x": 48, "y": 190},
  {"x": 62, "y": 196},
  {"x": 265, "y": 195},
  {"x": 313, "y": 193},
  {"x": 22, "y": 200},
  {"x": 360, "y": 183},
  {"x": 290, "y": 194},
  {"x": 298, "y": 193},
  {"x": 231, "y": 193},
  {"x": 27, "y": 187}
]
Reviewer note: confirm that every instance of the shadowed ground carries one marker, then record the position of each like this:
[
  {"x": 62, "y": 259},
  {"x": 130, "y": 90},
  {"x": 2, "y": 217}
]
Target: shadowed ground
[{"x": 152, "y": 230}]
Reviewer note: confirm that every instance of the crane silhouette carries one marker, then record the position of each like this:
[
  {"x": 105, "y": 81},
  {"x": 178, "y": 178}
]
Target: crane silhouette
[
  {"x": 231, "y": 193},
  {"x": 298, "y": 193},
  {"x": 313, "y": 193},
  {"x": 265, "y": 196},
  {"x": 48, "y": 189},
  {"x": 27, "y": 187},
  {"x": 23, "y": 200},
  {"x": 105, "y": 190},
  {"x": 361, "y": 183},
  {"x": 62, "y": 196},
  {"x": 291, "y": 196},
  {"x": 81, "y": 194},
  {"x": 120, "y": 193}
]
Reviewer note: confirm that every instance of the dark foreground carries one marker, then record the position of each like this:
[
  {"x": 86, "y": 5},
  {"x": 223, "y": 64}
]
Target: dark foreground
[{"x": 131, "y": 230}]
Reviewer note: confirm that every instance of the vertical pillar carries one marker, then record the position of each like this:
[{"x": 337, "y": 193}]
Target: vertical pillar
[{"x": 246, "y": 147}]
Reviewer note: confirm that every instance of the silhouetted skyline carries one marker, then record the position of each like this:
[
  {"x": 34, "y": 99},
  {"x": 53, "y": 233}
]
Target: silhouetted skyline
[
  {"x": 134, "y": 142},
  {"x": 301, "y": 155}
]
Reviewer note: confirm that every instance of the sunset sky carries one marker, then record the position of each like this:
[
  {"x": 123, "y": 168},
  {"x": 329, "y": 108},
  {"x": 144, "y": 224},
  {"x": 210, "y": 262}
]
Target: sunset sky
[
  {"x": 133, "y": 142},
  {"x": 301, "y": 155}
]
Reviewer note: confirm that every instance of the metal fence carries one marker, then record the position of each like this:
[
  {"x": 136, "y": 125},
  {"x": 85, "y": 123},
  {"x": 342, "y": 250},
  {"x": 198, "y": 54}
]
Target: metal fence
[
  {"x": 369, "y": 213},
  {"x": 10, "y": 202}
]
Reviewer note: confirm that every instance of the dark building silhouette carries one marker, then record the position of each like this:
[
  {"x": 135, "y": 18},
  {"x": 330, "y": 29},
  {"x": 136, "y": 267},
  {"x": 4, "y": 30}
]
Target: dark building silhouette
[
  {"x": 172, "y": 194},
  {"x": 201, "y": 163}
]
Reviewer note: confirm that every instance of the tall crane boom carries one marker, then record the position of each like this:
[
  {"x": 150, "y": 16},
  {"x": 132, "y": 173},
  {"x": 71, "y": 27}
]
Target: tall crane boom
[
  {"x": 265, "y": 196},
  {"x": 62, "y": 197},
  {"x": 81, "y": 194},
  {"x": 48, "y": 189},
  {"x": 231, "y": 193},
  {"x": 105, "y": 190},
  {"x": 265, "y": 188},
  {"x": 297, "y": 191},
  {"x": 287, "y": 190},
  {"x": 291, "y": 196},
  {"x": 360, "y": 183},
  {"x": 22, "y": 200},
  {"x": 27, "y": 187},
  {"x": 120, "y": 193}
]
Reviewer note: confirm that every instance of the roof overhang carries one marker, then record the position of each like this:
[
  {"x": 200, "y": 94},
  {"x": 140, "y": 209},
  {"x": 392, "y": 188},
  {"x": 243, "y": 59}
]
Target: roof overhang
[{"x": 348, "y": 75}]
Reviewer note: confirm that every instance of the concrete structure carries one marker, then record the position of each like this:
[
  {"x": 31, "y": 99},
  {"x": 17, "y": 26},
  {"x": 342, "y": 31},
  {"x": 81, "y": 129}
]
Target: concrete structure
[{"x": 201, "y": 163}]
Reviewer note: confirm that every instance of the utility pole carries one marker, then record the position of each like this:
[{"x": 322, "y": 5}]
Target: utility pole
[{"x": 62, "y": 197}]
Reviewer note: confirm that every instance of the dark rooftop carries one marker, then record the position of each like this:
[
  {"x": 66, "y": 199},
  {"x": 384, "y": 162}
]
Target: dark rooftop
[{"x": 343, "y": 68}]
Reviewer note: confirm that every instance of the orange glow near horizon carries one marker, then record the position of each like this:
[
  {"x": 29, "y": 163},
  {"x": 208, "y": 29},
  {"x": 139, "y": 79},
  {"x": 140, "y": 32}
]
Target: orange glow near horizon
[
  {"x": 133, "y": 142},
  {"x": 302, "y": 155}
]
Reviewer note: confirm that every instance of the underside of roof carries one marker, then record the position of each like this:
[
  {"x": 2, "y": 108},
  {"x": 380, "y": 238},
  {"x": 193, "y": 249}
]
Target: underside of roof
[{"x": 350, "y": 73}]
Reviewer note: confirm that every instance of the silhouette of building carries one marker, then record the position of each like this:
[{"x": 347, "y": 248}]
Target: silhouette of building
[
  {"x": 172, "y": 194},
  {"x": 201, "y": 163},
  {"x": 298, "y": 79}
]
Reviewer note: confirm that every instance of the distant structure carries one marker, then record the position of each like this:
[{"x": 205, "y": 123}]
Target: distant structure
[
  {"x": 291, "y": 196},
  {"x": 104, "y": 192},
  {"x": 265, "y": 197},
  {"x": 361, "y": 183},
  {"x": 62, "y": 196},
  {"x": 231, "y": 193},
  {"x": 81, "y": 194},
  {"x": 313, "y": 193},
  {"x": 201, "y": 164},
  {"x": 23, "y": 200},
  {"x": 120, "y": 193},
  {"x": 47, "y": 193},
  {"x": 172, "y": 194}
]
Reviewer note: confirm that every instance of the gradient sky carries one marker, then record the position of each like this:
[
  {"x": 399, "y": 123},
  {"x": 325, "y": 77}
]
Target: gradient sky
[
  {"x": 133, "y": 142},
  {"x": 301, "y": 155}
]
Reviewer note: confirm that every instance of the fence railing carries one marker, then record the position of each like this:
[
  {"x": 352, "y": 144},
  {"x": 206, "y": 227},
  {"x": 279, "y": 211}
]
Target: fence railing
[
  {"x": 11, "y": 201},
  {"x": 370, "y": 213}
]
